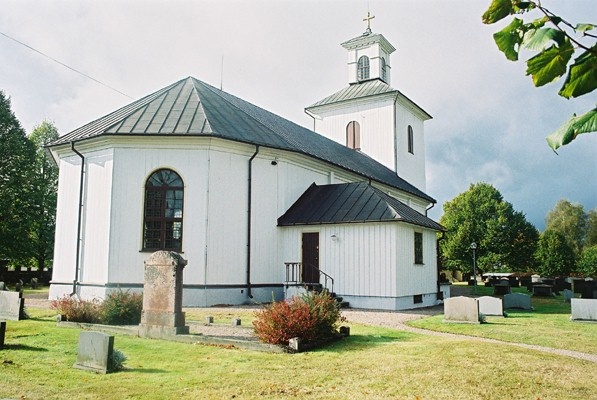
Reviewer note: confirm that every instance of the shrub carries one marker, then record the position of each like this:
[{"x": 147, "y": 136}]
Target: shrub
[
  {"x": 311, "y": 317},
  {"x": 122, "y": 308},
  {"x": 116, "y": 362},
  {"x": 77, "y": 310}
]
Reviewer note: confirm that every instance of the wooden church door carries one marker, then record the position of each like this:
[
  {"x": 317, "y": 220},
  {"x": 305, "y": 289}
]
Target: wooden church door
[{"x": 310, "y": 257}]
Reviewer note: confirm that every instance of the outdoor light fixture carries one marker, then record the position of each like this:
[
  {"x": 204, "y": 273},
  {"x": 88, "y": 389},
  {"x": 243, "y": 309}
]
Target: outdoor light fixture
[
  {"x": 473, "y": 247},
  {"x": 334, "y": 236}
]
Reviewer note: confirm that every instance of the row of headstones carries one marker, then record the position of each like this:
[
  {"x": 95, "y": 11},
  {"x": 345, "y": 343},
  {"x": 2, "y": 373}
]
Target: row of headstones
[
  {"x": 20, "y": 284},
  {"x": 469, "y": 310}
]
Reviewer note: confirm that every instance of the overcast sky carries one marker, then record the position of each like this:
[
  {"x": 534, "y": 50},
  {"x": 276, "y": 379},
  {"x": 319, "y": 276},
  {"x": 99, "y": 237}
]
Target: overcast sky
[{"x": 489, "y": 122}]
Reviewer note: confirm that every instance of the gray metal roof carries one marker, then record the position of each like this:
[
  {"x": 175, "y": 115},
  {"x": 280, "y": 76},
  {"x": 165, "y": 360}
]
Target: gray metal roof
[
  {"x": 190, "y": 107},
  {"x": 358, "y": 90},
  {"x": 348, "y": 203},
  {"x": 374, "y": 87}
]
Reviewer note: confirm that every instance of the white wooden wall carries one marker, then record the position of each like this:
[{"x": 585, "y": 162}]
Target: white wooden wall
[
  {"x": 215, "y": 174},
  {"x": 410, "y": 166},
  {"x": 376, "y": 120},
  {"x": 370, "y": 259}
]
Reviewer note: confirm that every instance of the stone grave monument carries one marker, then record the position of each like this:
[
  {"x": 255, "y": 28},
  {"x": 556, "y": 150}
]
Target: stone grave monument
[
  {"x": 462, "y": 310},
  {"x": 162, "y": 314},
  {"x": 491, "y": 306},
  {"x": 11, "y": 308},
  {"x": 583, "y": 309},
  {"x": 518, "y": 300},
  {"x": 568, "y": 295},
  {"x": 95, "y": 352}
]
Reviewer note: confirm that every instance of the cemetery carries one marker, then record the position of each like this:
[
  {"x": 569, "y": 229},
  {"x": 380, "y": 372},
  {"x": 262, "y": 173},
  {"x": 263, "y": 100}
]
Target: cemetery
[{"x": 82, "y": 351}]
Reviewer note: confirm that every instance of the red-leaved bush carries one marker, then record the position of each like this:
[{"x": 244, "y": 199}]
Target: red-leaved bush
[
  {"x": 311, "y": 317},
  {"x": 77, "y": 310}
]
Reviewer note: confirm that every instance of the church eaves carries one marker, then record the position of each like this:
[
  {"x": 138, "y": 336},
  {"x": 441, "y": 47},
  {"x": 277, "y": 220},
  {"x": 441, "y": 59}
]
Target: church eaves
[{"x": 191, "y": 107}]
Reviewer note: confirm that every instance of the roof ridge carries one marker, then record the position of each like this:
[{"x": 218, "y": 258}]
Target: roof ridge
[{"x": 219, "y": 93}]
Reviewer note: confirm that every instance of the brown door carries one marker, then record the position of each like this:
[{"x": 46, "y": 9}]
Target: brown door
[{"x": 310, "y": 257}]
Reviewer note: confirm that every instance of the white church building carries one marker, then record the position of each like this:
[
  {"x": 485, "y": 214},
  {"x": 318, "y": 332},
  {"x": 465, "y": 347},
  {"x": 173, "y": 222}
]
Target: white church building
[{"x": 256, "y": 204}]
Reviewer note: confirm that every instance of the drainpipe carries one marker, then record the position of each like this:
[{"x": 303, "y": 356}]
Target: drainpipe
[
  {"x": 429, "y": 208},
  {"x": 79, "y": 219},
  {"x": 249, "y": 209},
  {"x": 439, "y": 258}
]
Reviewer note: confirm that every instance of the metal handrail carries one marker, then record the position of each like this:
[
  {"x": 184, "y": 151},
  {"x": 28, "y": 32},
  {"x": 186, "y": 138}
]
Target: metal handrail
[{"x": 294, "y": 273}]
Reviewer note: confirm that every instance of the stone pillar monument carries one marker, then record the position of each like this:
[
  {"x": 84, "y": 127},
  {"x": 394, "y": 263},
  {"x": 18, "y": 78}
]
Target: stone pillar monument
[{"x": 162, "y": 314}]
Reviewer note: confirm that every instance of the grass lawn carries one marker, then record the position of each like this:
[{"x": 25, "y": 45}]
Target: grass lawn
[
  {"x": 548, "y": 325},
  {"x": 374, "y": 363}
]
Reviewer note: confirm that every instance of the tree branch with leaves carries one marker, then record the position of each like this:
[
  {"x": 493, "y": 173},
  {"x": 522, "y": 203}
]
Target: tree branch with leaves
[{"x": 561, "y": 47}]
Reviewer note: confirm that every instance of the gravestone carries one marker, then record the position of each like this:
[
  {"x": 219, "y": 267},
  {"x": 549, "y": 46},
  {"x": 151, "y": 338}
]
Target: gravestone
[
  {"x": 584, "y": 309},
  {"x": 11, "y": 305},
  {"x": 3, "y": 286},
  {"x": 501, "y": 288},
  {"x": 491, "y": 306},
  {"x": 162, "y": 314},
  {"x": 2, "y": 333},
  {"x": 568, "y": 295},
  {"x": 542, "y": 290},
  {"x": 95, "y": 352},
  {"x": 461, "y": 309},
  {"x": 518, "y": 300}
]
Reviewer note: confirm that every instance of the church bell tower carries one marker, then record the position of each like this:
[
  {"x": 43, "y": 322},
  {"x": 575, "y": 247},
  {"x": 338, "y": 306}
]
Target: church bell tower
[{"x": 372, "y": 117}]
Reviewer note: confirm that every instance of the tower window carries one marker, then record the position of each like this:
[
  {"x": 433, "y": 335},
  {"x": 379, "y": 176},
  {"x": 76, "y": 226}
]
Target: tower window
[
  {"x": 162, "y": 225},
  {"x": 353, "y": 135},
  {"x": 383, "y": 70},
  {"x": 363, "y": 68},
  {"x": 411, "y": 140}
]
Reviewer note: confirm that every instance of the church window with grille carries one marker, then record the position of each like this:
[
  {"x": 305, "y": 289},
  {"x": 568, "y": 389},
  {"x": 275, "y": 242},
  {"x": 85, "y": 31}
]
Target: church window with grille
[
  {"x": 353, "y": 135},
  {"x": 363, "y": 68},
  {"x": 418, "y": 248},
  {"x": 162, "y": 224},
  {"x": 411, "y": 140}
]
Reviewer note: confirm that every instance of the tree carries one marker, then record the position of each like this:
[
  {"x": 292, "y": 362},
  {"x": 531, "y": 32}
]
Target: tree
[
  {"x": 505, "y": 239},
  {"x": 591, "y": 236},
  {"x": 569, "y": 220},
  {"x": 555, "y": 41},
  {"x": 554, "y": 256},
  {"x": 45, "y": 193},
  {"x": 588, "y": 262},
  {"x": 17, "y": 156}
]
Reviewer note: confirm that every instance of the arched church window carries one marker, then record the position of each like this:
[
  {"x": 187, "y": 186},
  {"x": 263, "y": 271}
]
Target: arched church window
[
  {"x": 411, "y": 140},
  {"x": 353, "y": 135},
  {"x": 162, "y": 222},
  {"x": 363, "y": 68},
  {"x": 383, "y": 70}
]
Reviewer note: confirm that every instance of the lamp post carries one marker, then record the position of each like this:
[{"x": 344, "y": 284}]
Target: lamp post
[{"x": 473, "y": 248}]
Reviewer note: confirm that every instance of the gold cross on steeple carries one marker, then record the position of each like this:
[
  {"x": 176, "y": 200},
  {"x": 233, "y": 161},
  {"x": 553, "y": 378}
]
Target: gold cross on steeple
[{"x": 368, "y": 18}]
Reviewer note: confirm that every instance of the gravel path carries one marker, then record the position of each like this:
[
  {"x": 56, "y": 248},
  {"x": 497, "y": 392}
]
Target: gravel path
[{"x": 387, "y": 319}]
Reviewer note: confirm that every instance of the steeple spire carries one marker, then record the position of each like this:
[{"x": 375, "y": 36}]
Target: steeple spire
[{"x": 368, "y": 18}]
